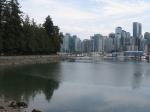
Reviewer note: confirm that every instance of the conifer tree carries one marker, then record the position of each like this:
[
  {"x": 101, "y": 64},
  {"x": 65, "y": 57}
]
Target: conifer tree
[
  {"x": 53, "y": 34},
  {"x": 2, "y": 6},
  {"x": 13, "y": 30},
  {"x": 25, "y": 37}
]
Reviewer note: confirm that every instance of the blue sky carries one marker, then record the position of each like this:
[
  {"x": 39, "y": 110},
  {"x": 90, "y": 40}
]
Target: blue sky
[{"x": 86, "y": 17}]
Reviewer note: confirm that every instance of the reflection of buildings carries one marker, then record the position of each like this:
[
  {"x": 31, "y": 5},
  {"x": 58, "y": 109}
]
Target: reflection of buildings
[
  {"x": 22, "y": 83},
  {"x": 137, "y": 80}
]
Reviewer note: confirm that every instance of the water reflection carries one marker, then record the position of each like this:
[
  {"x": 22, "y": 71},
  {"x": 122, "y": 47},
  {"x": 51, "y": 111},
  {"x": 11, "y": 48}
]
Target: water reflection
[
  {"x": 137, "y": 76},
  {"x": 22, "y": 83},
  {"x": 137, "y": 80},
  {"x": 103, "y": 86}
]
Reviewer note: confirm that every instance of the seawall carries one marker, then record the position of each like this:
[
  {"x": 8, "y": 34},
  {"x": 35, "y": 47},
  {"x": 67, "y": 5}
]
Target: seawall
[{"x": 21, "y": 60}]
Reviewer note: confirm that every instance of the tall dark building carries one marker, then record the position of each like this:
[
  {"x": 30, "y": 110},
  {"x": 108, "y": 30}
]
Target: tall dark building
[
  {"x": 137, "y": 34},
  {"x": 140, "y": 27},
  {"x": 112, "y": 35},
  {"x": 137, "y": 30}
]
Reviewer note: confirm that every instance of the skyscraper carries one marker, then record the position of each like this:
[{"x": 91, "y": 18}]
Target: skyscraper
[
  {"x": 98, "y": 42},
  {"x": 137, "y": 34},
  {"x": 137, "y": 30},
  {"x": 65, "y": 45},
  {"x": 118, "y": 32}
]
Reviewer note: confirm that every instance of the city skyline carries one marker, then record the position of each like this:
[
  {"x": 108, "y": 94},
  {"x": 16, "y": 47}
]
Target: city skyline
[
  {"x": 93, "y": 16},
  {"x": 120, "y": 41}
]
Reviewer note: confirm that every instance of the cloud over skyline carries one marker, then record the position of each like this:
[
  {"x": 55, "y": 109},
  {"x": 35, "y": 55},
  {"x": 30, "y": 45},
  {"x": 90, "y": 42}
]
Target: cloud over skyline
[{"x": 86, "y": 17}]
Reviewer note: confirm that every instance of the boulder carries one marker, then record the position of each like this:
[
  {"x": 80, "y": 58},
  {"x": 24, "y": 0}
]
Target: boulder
[
  {"x": 13, "y": 104},
  {"x": 22, "y": 104},
  {"x": 34, "y": 110}
]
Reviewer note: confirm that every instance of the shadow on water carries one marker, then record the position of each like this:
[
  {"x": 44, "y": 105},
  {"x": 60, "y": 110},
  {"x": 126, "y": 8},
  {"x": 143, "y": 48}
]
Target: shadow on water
[{"x": 25, "y": 82}]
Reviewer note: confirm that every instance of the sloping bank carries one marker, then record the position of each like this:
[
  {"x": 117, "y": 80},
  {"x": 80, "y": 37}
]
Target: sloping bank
[{"x": 20, "y": 60}]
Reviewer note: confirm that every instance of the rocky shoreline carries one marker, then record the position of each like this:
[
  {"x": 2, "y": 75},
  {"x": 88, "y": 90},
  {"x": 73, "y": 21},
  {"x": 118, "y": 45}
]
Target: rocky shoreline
[
  {"x": 21, "y": 60},
  {"x": 14, "y": 106}
]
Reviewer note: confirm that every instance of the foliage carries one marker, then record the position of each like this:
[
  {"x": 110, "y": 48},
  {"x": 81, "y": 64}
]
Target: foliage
[{"x": 25, "y": 37}]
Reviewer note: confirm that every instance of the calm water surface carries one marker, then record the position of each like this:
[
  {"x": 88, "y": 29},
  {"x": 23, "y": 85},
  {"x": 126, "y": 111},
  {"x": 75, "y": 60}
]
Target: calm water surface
[{"x": 101, "y": 86}]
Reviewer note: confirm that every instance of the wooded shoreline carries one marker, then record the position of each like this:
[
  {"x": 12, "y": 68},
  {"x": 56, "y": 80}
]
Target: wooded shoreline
[{"x": 32, "y": 59}]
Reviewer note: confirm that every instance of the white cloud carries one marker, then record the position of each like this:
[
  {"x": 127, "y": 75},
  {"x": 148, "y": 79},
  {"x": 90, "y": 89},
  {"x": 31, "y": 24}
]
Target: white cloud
[{"x": 87, "y": 17}]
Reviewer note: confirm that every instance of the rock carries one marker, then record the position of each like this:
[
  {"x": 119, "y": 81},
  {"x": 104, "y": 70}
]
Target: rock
[
  {"x": 13, "y": 104},
  {"x": 1, "y": 107},
  {"x": 22, "y": 104},
  {"x": 34, "y": 110}
]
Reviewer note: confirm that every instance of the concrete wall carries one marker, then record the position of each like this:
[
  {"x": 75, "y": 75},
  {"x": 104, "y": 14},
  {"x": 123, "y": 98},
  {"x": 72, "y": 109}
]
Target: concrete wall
[{"x": 19, "y": 60}]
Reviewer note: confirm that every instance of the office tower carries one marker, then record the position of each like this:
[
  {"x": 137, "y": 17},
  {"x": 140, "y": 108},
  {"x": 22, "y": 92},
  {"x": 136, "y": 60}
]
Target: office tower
[
  {"x": 118, "y": 32},
  {"x": 140, "y": 29},
  {"x": 77, "y": 45},
  {"x": 112, "y": 35},
  {"x": 72, "y": 43},
  {"x": 137, "y": 30},
  {"x": 97, "y": 43},
  {"x": 147, "y": 35},
  {"x": 86, "y": 46},
  {"x": 109, "y": 45},
  {"x": 137, "y": 34},
  {"x": 65, "y": 45}
]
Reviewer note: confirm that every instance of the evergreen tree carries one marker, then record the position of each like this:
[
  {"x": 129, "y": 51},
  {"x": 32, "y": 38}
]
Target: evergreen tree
[
  {"x": 53, "y": 34},
  {"x": 28, "y": 35},
  {"x": 13, "y": 29},
  {"x": 2, "y": 6},
  {"x": 18, "y": 37},
  {"x": 49, "y": 27},
  {"x": 57, "y": 38},
  {"x": 6, "y": 40}
]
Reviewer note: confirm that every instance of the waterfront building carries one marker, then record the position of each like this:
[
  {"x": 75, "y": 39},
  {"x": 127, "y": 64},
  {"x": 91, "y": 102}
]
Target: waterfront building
[
  {"x": 86, "y": 46},
  {"x": 125, "y": 40},
  {"x": 112, "y": 36},
  {"x": 143, "y": 45},
  {"x": 65, "y": 45},
  {"x": 109, "y": 45},
  {"x": 118, "y": 32},
  {"x": 137, "y": 34},
  {"x": 137, "y": 30},
  {"x": 72, "y": 41},
  {"x": 128, "y": 41},
  {"x": 78, "y": 45},
  {"x": 71, "y": 44},
  {"x": 119, "y": 41},
  {"x": 147, "y": 37},
  {"x": 133, "y": 53},
  {"x": 117, "y": 44},
  {"x": 97, "y": 43}
]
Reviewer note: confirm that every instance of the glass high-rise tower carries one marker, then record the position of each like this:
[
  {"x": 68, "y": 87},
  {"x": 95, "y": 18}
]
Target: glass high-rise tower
[
  {"x": 137, "y": 34},
  {"x": 137, "y": 30}
]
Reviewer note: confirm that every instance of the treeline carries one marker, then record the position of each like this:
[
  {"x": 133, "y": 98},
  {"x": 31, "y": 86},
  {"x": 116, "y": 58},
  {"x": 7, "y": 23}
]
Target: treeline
[{"x": 20, "y": 36}]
